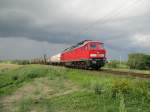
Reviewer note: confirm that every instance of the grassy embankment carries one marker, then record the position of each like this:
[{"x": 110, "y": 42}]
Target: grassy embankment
[{"x": 38, "y": 88}]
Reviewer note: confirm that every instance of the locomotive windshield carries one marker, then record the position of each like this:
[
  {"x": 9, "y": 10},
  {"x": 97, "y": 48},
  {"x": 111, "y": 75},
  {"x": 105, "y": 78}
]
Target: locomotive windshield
[
  {"x": 93, "y": 46},
  {"x": 96, "y": 46}
]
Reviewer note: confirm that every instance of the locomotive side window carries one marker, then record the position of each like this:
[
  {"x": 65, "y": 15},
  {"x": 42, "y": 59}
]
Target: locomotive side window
[
  {"x": 102, "y": 46},
  {"x": 83, "y": 48},
  {"x": 86, "y": 47}
]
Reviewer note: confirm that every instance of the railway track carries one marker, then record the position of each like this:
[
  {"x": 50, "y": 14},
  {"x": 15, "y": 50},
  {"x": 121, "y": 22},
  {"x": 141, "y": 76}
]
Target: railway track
[
  {"x": 126, "y": 73},
  {"x": 123, "y": 73}
]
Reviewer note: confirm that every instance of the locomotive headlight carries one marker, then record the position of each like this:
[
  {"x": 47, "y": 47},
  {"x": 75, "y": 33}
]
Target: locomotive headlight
[
  {"x": 102, "y": 55},
  {"x": 93, "y": 55}
]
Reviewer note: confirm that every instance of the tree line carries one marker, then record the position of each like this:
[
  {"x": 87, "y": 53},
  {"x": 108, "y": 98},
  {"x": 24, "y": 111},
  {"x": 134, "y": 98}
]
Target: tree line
[{"x": 139, "y": 61}]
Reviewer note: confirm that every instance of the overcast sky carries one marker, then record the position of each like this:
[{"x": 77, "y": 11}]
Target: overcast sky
[{"x": 31, "y": 28}]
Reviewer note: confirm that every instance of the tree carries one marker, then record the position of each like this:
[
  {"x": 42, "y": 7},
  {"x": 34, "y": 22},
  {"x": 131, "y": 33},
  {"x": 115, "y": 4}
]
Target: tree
[{"x": 139, "y": 61}]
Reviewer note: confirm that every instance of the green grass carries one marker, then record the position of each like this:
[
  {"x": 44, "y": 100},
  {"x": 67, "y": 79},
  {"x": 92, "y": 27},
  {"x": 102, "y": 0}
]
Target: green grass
[
  {"x": 42, "y": 88},
  {"x": 10, "y": 80}
]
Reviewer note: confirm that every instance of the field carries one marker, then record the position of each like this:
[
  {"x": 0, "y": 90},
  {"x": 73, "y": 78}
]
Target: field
[{"x": 42, "y": 88}]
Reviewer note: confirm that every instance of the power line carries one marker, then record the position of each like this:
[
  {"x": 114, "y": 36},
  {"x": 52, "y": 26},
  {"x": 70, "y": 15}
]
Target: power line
[
  {"x": 118, "y": 37},
  {"x": 114, "y": 12}
]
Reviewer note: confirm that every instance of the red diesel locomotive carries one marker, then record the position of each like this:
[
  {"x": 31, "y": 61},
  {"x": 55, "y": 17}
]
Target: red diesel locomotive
[{"x": 86, "y": 54}]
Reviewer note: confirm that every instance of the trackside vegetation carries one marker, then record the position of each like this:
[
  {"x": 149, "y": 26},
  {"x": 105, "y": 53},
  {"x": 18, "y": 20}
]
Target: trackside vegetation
[
  {"x": 42, "y": 88},
  {"x": 139, "y": 61},
  {"x": 136, "y": 61}
]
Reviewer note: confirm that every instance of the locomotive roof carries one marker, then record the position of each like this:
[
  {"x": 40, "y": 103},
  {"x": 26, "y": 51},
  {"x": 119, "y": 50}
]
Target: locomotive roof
[{"x": 80, "y": 44}]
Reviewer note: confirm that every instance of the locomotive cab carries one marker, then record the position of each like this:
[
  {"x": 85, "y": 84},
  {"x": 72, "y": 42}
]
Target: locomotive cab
[
  {"x": 96, "y": 50},
  {"x": 96, "y": 54}
]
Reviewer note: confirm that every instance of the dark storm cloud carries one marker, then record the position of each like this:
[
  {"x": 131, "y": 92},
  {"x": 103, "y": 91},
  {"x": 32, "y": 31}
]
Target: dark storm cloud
[
  {"x": 20, "y": 24},
  {"x": 65, "y": 21},
  {"x": 38, "y": 21}
]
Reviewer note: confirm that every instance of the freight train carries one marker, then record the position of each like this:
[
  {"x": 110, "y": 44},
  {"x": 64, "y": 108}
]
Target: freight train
[{"x": 87, "y": 54}]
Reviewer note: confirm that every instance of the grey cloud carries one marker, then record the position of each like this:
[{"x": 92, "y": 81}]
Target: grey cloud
[
  {"x": 61, "y": 22},
  {"x": 22, "y": 48}
]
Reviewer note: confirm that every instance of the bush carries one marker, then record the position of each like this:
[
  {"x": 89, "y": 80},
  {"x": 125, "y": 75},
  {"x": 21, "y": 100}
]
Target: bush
[
  {"x": 15, "y": 77},
  {"x": 98, "y": 89},
  {"x": 120, "y": 86},
  {"x": 21, "y": 62},
  {"x": 113, "y": 64},
  {"x": 138, "y": 61}
]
